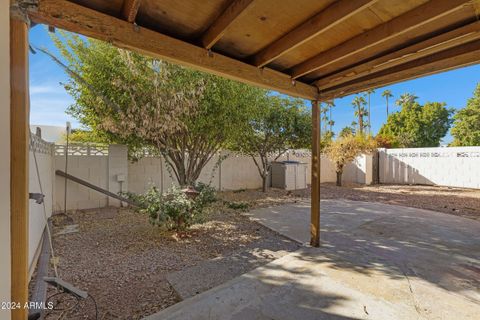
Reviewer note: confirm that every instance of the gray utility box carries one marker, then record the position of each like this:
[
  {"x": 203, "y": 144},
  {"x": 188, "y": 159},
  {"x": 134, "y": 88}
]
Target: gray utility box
[{"x": 289, "y": 175}]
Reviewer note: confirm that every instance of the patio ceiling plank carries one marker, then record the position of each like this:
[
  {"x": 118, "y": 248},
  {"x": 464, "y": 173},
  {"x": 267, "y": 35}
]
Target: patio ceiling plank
[
  {"x": 333, "y": 15},
  {"x": 75, "y": 18},
  {"x": 460, "y": 56},
  {"x": 130, "y": 9},
  {"x": 380, "y": 36},
  {"x": 218, "y": 28},
  {"x": 441, "y": 42}
]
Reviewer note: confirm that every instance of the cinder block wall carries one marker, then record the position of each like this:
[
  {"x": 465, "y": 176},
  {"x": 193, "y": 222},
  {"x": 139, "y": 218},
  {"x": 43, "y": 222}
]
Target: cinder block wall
[
  {"x": 452, "y": 167},
  {"x": 96, "y": 166},
  {"x": 102, "y": 168}
]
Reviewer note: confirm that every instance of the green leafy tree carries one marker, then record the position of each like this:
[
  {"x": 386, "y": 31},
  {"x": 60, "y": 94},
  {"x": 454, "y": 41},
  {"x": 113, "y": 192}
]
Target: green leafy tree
[
  {"x": 387, "y": 94},
  {"x": 417, "y": 126},
  {"x": 124, "y": 97},
  {"x": 345, "y": 149},
  {"x": 346, "y": 131},
  {"x": 276, "y": 125},
  {"x": 466, "y": 126},
  {"x": 360, "y": 112}
]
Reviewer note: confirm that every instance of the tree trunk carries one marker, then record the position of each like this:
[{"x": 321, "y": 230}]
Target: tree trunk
[
  {"x": 264, "y": 183},
  {"x": 360, "y": 122},
  {"x": 339, "y": 178}
]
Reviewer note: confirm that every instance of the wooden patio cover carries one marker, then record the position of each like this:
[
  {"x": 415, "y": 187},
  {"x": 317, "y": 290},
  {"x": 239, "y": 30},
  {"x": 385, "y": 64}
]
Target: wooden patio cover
[{"x": 314, "y": 49}]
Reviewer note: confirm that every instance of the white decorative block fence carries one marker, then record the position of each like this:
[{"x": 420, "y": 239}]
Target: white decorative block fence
[{"x": 453, "y": 167}]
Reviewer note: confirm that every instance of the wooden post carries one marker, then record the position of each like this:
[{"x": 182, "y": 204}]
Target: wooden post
[
  {"x": 19, "y": 140},
  {"x": 315, "y": 206}
]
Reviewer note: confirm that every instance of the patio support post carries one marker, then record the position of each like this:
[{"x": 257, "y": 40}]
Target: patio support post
[
  {"x": 315, "y": 183},
  {"x": 19, "y": 140}
]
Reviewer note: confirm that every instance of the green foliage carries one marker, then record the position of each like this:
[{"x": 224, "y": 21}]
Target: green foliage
[
  {"x": 237, "y": 205},
  {"x": 466, "y": 127},
  {"x": 359, "y": 104},
  {"x": 207, "y": 194},
  {"x": 346, "y": 148},
  {"x": 347, "y": 131},
  {"x": 124, "y": 97},
  {"x": 387, "y": 94},
  {"x": 174, "y": 210},
  {"x": 274, "y": 125},
  {"x": 416, "y": 125}
]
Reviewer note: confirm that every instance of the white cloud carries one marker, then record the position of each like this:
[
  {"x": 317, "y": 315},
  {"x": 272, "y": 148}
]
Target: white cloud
[{"x": 39, "y": 89}]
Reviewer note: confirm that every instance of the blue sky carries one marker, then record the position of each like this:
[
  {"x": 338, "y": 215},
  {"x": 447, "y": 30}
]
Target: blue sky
[{"x": 49, "y": 100}]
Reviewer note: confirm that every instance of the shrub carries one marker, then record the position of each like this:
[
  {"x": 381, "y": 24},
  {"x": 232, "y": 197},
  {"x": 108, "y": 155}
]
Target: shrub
[
  {"x": 242, "y": 206},
  {"x": 173, "y": 210},
  {"x": 207, "y": 194}
]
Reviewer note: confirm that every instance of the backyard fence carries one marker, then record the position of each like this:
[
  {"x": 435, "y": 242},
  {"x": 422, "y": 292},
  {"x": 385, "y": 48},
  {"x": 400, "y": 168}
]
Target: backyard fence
[
  {"x": 43, "y": 153},
  {"x": 453, "y": 167},
  {"x": 108, "y": 167},
  {"x": 103, "y": 165}
]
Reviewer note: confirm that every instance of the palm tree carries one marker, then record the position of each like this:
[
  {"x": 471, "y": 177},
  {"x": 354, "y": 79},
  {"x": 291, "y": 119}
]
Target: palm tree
[
  {"x": 369, "y": 92},
  {"x": 387, "y": 94},
  {"x": 324, "y": 119},
  {"x": 405, "y": 99},
  {"x": 330, "y": 105},
  {"x": 359, "y": 105}
]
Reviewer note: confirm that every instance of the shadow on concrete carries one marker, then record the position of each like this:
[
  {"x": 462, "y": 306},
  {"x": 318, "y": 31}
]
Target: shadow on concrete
[{"x": 395, "y": 241}]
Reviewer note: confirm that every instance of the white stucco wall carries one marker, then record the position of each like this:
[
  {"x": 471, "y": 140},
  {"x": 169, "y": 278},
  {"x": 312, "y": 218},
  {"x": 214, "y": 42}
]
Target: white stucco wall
[
  {"x": 4, "y": 156},
  {"x": 37, "y": 221},
  {"x": 452, "y": 167}
]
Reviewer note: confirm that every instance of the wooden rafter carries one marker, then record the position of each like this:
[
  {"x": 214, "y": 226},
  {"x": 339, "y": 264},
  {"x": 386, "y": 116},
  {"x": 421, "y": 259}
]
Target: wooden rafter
[
  {"x": 400, "y": 25},
  {"x": 460, "y": 56},
  {"x": 130, "y": 9},
  {"x": 220, "y": 25},
  {"x": 72, "y": 17},
  {"x": 326, "y": 19},
  {"x": 441, "y": 42}
]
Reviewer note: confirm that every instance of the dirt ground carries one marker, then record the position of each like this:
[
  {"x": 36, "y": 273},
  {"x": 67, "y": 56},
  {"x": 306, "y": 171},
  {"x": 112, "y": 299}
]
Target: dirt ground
[
  {"x": 122, "y": 261},
  {"x": 455, "y": 201}
]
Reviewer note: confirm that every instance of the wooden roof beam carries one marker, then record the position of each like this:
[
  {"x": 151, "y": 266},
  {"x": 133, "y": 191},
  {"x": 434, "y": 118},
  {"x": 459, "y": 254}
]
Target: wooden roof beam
[
  {"x": 460, "y": 56},
  {"x": 400, "y": 25},
  {"x": 218, "y": 28},
  {"x": 333, "y": 15},
  {"x": 73, "y": 17},
  {"x": 130, "y": 10},
  {"x": 441, "y": 42}
]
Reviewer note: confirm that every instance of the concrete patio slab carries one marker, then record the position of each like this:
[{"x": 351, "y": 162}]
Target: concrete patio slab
[{"x": 376, "y": 262}]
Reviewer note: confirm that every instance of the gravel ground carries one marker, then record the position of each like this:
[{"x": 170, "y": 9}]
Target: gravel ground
[
  {"x": 456, "y": 201},
  {"x": 123, "y": 261}
]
